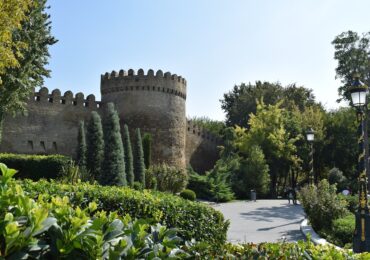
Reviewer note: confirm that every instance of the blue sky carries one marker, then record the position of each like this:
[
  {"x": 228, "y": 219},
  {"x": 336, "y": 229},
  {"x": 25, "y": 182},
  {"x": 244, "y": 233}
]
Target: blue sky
[{"x": 214, "y": 44}]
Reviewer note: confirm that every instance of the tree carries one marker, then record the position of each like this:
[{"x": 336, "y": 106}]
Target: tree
[
  {"x": 139, "y": 165},
  {"x": 95, "y": 145},
  {"x": 129, "y": 163},
  {"x": 352, "y": 52},
  {"x": 252, "y": 174},
  {"x": 241, "y": 101},
  {"x": 19, "y": 81},
  {"x": 81, "y": 148},
  {"x": 341, "y": 148},
  {"x": 147, "y": 147},
  {"x": 113, "y": 164},
  {"x": 268, "y": 131},
  {"x": 12, "y": 13}
]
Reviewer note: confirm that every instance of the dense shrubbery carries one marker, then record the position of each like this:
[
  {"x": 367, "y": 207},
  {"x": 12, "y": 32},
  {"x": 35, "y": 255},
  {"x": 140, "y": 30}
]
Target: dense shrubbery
[
  {"x": 342, "y": 230},
  {"x": 49, "y": 228},
  {"x": 188, "y": 194},
  {"x": 194, "y": 220},
  {"x": 330, "y": 214},
  {"x": 52, "y": 229},
  {"x": 166, "y": 178},
  {"x": 36, "y": 166},
  {"x": 210, "y": 187}
]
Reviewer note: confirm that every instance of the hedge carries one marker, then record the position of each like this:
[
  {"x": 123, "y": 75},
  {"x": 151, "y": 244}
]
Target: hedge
[
  {"x": 35, "y": 167},
  {"x": 193, "y": 219}
]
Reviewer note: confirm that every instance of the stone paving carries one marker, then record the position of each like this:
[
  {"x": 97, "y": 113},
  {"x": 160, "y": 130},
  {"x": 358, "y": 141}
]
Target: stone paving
[{"x": 262, "y": 221}]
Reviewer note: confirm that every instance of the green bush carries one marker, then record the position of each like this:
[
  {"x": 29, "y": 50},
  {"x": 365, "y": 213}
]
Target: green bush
[
  {"x": 200, "y": 185},
  {"x": 193, "y": 219},
  {"x": 352, "y": 202},
  {"x": 336, "y": 176},
  {"x": 322, "y": 205},
  {"x": 36, "y": 167},
  {"x": 52, "y": 229},
  {"x": 211, "y": 187},
  {"x": 168, "y": 178},
  {"x": 342, "y": 230},
  {"x": 188, "y": 194}
]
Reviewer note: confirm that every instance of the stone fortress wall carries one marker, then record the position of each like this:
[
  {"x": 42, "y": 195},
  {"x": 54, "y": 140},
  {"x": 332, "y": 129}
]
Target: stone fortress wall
[{"x": 153, "y": 102}]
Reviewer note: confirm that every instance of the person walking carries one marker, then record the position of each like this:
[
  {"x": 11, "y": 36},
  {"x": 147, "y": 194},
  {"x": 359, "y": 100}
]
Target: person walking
[{"x": 290, "y": 195}]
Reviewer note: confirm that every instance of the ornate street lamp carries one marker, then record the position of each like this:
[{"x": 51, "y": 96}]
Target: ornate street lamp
[
  {"x": 361, "y": 238},
  {"x": 310, "y": 134}
]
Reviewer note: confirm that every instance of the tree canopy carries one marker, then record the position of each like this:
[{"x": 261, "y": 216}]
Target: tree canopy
[
  {"x": 34, "y": 34},
  {"x": 12, "y": 13},
  {"x": 352, "y": 51}
]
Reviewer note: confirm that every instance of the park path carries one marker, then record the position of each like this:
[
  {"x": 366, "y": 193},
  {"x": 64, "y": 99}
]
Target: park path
[{"x": 262, "y": 221}]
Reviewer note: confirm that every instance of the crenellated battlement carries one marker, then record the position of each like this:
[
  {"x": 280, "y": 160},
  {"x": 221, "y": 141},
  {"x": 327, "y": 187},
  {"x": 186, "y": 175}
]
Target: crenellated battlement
[
  {"x": 67, "y": 99},
  {"x": 139, "y": 81},
  {"x": 201, "y": 132}
]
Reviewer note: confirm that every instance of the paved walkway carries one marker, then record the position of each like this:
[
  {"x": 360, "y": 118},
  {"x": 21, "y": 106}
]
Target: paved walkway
[{"x": 262, "y": 221}]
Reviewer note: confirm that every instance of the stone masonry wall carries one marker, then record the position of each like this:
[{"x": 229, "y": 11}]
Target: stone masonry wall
[
  {"x": 50, "y": 126},
  {"x": 155, "y": 103},
  {"x": 201, "y": 148}
]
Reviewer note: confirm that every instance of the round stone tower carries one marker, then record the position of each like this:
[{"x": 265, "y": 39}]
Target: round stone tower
[{"x": 155, "y": 103}]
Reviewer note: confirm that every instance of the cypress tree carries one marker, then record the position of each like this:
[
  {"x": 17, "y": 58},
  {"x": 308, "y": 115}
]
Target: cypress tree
[
  {"x": 113, "y": 164},
  {"x": 139, "y": 167},
  {"x": 129, "y": 163},
  {"x": 95, "y": 145},
  {"x": 81, "y": 148},
  {"x": 147, "y": 147}
]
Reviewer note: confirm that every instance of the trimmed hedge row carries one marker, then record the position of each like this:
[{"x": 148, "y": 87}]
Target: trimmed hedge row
[
  {"x": 35, "y": 167},
  {"x": 193, "y": 219}
]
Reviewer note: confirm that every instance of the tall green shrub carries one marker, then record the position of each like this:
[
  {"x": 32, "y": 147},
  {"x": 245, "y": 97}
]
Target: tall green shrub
[
  {"x": 147, "y": 147},
  {"x": 252, "y": 174},
  {"x": 322, "y": 204},
  {"x": 168, "y": 178},
  {"x": 139, "y": 166},
  {"x": 113, "y": 164},
  {"x": 81, "y": 145},
  {"x": 129, "y": 162},
  {"x": 95, "y": 145}
]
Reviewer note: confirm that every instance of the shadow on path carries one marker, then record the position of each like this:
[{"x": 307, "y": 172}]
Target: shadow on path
[
  {"x": 270, "y": 214},
  {"x": 287, "y": 224}
]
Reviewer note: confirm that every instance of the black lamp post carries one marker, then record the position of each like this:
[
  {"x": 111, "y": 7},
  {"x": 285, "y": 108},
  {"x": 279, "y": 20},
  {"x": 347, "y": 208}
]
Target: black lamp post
[
  {"x": 361, "y": 238},
  {"x": 310, "y": 134}
]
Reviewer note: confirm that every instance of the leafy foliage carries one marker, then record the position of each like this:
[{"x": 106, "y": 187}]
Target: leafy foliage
[
  {"x": 342, "y": 231},
  {"x": 168, "y": 178},
  {"x": 188, "y": 194},
  {"x": 241, "y": 101},
  {"x": 12, "y": 13},
  {"x": 129, "y": 162},
  {"x": 322, "y": 205},
  {"x": 147, "y": 148},
  {"x": 213, "y": 186},
  {"x": 252, "y": 174},
  {"x": 52, "y": 229},
  {"x": 336, "y": 177},
  {"x": 95, "y": 145},
  {"x": 36, "y": 166},
  {"x": 212, "y": 126},
  {"x": 194, "y": 220},
  {"x": 34, "y": 34},
  {"x": 113, "y": 171},
  {"x": 81, "y": 145},
  {"x": 139, "y": 165},
  {"x": 352, "y": 52}
]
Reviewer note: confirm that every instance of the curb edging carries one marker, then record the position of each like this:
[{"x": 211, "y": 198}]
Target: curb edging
[{"x": 315, "y": 238}]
